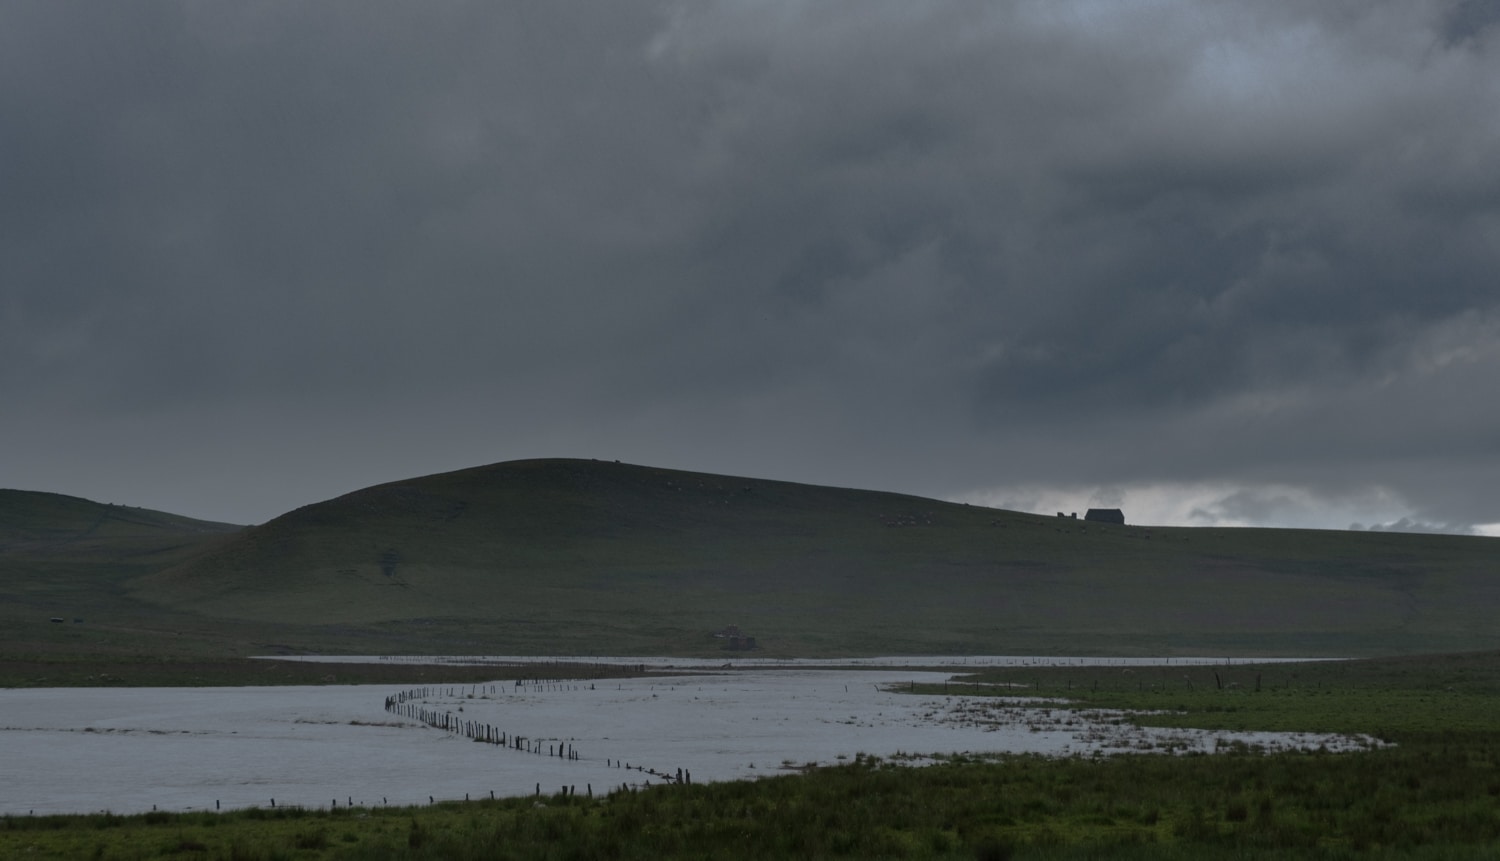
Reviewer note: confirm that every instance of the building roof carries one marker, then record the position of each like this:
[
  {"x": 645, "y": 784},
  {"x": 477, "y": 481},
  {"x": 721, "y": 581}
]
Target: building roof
[{"x": 1105, "y": 515}]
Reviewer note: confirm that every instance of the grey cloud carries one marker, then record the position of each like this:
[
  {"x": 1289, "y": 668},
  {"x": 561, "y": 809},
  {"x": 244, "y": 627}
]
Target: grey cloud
[
  {"x": 1468, "y": 21},
  {"x": 1250, "y": 506},
  {"x": 1406, "y": 524},
  {"x": 1108, "y": 497},
  {"x": 916, "y": 247}
]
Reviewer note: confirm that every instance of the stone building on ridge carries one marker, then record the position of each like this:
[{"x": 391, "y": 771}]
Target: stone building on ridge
[{"x": 1105, "y": 515}]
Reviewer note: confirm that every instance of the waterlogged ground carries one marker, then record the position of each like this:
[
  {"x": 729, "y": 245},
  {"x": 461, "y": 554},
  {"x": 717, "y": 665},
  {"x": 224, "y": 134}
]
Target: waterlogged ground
[
  {"x": 138, "y": 749},
  {"x": 743, "y": 661}
]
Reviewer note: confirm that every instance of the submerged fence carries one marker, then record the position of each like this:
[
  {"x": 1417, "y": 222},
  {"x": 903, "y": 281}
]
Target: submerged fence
[{"x": 414, "y": 704}]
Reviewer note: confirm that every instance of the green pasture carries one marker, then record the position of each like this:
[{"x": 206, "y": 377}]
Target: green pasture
[
  {"x": 1396, "y": 699},
  {"x": 1397, "y": 805},
  {"x": 97, "y": 672}
]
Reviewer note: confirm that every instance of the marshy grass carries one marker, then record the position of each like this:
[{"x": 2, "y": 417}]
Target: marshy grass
[{"x": 1422, "y": 801}]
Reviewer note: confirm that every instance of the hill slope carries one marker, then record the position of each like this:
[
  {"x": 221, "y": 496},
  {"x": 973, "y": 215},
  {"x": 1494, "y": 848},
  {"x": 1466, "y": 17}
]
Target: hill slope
[
  {"x": 66, "y": 557},
  {"x": 33, "y": 521},
  {"x": 582, "y": 557}
]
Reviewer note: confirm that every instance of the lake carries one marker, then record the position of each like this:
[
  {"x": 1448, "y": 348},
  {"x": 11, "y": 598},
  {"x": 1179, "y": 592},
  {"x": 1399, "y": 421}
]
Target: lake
[{"x": 71, "y": 750}]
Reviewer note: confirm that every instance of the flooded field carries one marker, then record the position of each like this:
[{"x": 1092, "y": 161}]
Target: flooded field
[
  {"x": 957, "y": 663},
  {"x": 138, "y": 749}
]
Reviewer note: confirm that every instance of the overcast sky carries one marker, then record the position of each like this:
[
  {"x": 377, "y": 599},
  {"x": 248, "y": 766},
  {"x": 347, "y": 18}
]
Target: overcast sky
[{"x": 1210, "y": 262}]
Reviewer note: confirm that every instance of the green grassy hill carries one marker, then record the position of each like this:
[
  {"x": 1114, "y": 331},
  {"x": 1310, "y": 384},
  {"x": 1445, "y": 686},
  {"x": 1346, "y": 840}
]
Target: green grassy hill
[
  {"x": 583, "y": 557},
  {"x": 69, "y": 558},
  {"x": 39, "y": 523}
]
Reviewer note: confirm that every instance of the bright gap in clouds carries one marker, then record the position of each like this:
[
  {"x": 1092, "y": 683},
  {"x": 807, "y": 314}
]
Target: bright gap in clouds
[{"x": 1224, "y": 504}]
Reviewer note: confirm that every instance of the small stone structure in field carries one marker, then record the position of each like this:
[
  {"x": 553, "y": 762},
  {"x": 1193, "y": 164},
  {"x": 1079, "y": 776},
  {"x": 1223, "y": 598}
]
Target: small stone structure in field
[{"x": 735, "y": 640}]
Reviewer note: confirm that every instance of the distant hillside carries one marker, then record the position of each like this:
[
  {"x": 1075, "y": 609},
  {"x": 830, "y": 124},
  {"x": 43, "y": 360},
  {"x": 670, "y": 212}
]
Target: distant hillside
[
  {"x": 585, "y": 557},
  {"x": 69, "y": 558},
  {"x": 33, "y": 520}
]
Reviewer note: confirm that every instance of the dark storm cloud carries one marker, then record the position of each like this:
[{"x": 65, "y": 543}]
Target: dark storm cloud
[
  {"x": 1468, "y": 20},
  {"x": 936, "y": 247}
]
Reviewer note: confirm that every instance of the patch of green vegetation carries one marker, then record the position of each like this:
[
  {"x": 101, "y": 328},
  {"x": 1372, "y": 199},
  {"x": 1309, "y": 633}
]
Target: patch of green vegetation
[
  {"x": 1395, "y": 699},
  {"x": 89, "y": 671},
  {"x": 1387, "y": 804}
]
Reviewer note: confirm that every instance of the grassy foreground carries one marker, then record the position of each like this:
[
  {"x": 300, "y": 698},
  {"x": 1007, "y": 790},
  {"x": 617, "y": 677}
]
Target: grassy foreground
[
  {"x": 1428, "y": 802},
  {"x": 1434, "y": 794}
]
